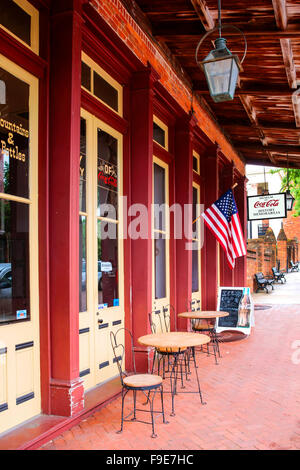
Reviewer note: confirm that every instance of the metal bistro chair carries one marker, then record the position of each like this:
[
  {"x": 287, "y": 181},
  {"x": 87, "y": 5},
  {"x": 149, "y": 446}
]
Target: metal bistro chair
[
  {"x": 136, "y": 382},
  {"x": 160, "y": 322},
  {"x": 206, "y": 326}
]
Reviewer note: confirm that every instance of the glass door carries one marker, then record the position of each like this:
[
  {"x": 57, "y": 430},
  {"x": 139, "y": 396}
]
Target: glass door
[
  {"x": 101, "y": 249},
  {"x": 161, "y": 239},
  {"x": 19, "y": 288}
]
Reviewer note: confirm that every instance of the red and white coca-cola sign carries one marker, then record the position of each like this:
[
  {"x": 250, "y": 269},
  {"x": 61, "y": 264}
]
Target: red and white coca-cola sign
[{"x": 270, "y": 206}]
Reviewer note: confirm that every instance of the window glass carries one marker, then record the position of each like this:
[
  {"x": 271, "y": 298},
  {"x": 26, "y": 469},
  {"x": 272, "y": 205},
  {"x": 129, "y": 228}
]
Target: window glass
[
  {"x": 195, "y": 164},
  {"x": 107, "y": 175},
  {"x": 14, "y": 261},
  {"x": 105, "y": 92},
  {"x": 195, "y": 227},
  {"x": 82, "y": 169},
  {"x": 85, "y": 76},
  {"x": 14, "y": 135},
  {"x": 16, "y": 20},
  {"x": 160, "y": 266},
  {"x": 159, "y": 135},
  {"x": 195, "y": 267},
  {"x": 159, "y": 198},
  {"x": 82, "y": 265},
  {"x": 108, "y": 285}
]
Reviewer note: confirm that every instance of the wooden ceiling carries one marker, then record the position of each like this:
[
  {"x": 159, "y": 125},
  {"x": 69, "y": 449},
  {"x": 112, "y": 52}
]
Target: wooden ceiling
[{"x": 263, "y": 120}]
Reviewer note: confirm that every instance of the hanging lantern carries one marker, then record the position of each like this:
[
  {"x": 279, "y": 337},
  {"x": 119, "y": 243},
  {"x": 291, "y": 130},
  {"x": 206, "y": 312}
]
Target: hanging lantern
[
  {"x": 221, "y": 70},
  {"x": 221, "y": 67},
  {"x": 289, "y": 200}
]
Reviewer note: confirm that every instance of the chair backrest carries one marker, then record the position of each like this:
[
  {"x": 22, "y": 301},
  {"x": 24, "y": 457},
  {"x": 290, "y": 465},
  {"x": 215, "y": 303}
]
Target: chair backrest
[
  {"x": 259, "y": 276},
  {"x": 195, "y": 305},
  {"x": 118, "y": 340},
  {"x": 274, "y": 270},
  {"x": 160, "y": 320}
]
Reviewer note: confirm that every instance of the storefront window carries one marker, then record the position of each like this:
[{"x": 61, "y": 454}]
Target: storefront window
[
  {"x": 108, "y": 289},
  {"x": 160, "y": 266},
  {"x": 14, "y": 136},
  {"x": 14, "y": 261},
  {"x": 107, "y": 212},
  {"x": 82, "y": 220},
  {"x": 196, "y": 240},
  {"x": 20, "y": 18}
]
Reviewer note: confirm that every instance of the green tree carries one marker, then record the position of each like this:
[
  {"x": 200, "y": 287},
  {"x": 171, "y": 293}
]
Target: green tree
[{"x": 294, "y": 185}]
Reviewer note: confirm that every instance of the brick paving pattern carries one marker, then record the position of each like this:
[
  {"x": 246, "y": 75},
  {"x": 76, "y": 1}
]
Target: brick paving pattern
[{"x": 253, "y": 399}]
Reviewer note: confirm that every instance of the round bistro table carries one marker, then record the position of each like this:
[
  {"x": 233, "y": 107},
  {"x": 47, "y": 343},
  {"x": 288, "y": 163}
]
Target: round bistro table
[
  {"x": 206, "y": 316},
  {"x": 176, "y": 341}
]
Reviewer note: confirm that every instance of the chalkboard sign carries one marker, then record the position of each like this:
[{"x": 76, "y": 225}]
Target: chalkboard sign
[{"x": 229, "y": 299}]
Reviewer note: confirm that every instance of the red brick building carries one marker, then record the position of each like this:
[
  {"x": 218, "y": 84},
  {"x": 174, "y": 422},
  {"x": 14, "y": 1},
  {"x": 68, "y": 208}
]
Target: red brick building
[{"x": 94, "y": 111}]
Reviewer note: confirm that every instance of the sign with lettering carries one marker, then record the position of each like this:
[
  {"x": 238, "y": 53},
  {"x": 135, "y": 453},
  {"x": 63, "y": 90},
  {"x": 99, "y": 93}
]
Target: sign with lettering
[
  {"x": 238, "y": 303},
  {"x": 269, "y": 206}
]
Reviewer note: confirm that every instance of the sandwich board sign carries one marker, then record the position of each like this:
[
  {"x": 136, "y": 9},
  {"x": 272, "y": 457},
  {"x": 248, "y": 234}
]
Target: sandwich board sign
[{"x": 238, "y": 303}]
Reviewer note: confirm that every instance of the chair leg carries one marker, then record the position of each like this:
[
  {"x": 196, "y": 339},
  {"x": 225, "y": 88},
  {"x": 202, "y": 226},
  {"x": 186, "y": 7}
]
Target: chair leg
[
  {"x": 162, "y": 405},
  {"x": 152, "y": 415},
  {"x": 124, "y": 393},
  {"x": 134, "y": 405}
]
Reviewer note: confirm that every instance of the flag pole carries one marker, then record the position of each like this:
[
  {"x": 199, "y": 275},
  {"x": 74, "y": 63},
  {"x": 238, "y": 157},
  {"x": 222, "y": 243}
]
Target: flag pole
[{"x": 232, "y": 187}]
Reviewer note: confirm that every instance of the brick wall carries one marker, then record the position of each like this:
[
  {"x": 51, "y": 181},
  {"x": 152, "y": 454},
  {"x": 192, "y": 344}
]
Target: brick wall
[
  {"x": 147, "y": 50},
  {"x": 291, "y": 225}
]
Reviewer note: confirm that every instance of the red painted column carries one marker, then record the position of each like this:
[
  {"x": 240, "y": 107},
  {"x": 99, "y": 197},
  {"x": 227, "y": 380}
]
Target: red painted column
[
  {"x": 240, "y": 195},
  {"x": 184, "y": 199},
  {"x": 66, "y": 388},
  {"x": 209, "y": 168},
  {"x": 141, "y": 193},
  {"x": 225, "y": 183}
]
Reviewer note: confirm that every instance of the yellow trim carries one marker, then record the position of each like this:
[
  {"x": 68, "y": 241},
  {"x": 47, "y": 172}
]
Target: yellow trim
[
  {"x": 197, "y": 156},
  {"x": 97, "y": 344},
  {"x": 116, "y": 85},
  {"x": 197, "y": 294},
  {"x": 23, "y": 370},
  {"x": 165, "y": 128},
  {"x": 34, "y": 29},
  {"x": 159, "y": 303}
]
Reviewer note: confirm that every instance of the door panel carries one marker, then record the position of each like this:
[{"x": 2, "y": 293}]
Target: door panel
[
  {"x": 19, "y": 298},
  {"x": 102, "y": 266},
  {"x": 161, "y": 249}
]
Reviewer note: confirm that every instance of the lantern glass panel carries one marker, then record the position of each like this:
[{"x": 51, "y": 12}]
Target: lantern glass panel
[{"x": 222, "y": 77}]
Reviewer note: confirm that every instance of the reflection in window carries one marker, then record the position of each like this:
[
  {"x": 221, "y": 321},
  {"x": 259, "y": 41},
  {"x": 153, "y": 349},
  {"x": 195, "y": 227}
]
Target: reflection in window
[
  {"x": 195, "y": 267},
  {"x": 82, "y": 168},
  {"x": 108, "y": 289},
  {"x": 14, "y": 261},
  {"x": 14, "y": 136},
  {"x": 107, "y": 175},
  {"x": 82, "y": 265},
  {"x": 159, "y": 135},
  {"x": 160, "y": 266},
  {"x": 16, "y": 20},
  {"x": 105, "y": 92}
]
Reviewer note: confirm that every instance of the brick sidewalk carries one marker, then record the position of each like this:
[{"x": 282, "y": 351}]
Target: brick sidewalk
[{"x": 253, "y": 399}]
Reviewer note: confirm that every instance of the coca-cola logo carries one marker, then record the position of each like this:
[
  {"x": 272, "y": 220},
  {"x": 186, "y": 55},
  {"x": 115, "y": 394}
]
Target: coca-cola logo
[{"x": 270, "y": 203}]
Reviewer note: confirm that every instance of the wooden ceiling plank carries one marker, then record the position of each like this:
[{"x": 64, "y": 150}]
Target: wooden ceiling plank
[
  {"x": 291, "y": 149},
  {"x": 204, "y": 14}
]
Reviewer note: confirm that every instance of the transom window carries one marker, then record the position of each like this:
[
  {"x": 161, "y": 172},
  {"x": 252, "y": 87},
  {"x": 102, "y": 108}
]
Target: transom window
[
  {"x": 160, "y": 133},
  {"x": 101, "y": 85},
  {"x": 196, "y": 162},
  {"x": 21, "y": 20}
]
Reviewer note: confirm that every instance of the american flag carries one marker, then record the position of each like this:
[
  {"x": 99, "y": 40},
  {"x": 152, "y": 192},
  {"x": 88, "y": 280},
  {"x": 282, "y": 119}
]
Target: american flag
[{"x": 223, "y": 220}]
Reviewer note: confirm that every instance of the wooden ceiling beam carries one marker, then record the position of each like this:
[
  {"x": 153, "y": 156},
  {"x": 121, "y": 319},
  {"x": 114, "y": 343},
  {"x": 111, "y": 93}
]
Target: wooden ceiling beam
[
  {"x": 204, "y": 14},
  {"x": 278, "y": 163},
  {"x": 288, "y": 59},
  {"x": 253, "y": 90},
  {"x": 280, "y": 13},
  {"x": 243, "y": 127},
  {"x": 290, "y": 149},
  {"x": 296, "y": 106}
]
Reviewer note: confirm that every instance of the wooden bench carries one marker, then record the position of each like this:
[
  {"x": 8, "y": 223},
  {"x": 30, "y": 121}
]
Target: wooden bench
[
  {"x": 263, "y": 283},
  {"x": 278, "y": 275}
]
